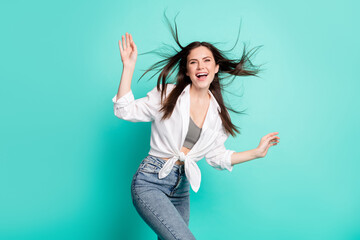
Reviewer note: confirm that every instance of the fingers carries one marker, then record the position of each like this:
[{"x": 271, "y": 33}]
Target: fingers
[
  {"x": 121, "y": 49},
  {"x": 274, "y": 141},
  {"x": 132, "y": 43},
  {"x": 123, "y": 45},
  {"x": 271, "y": 139},
  {"x": 273, "y": 133},
  {"x": 271, "y": 136},
  {"x": 123, "y": 42},
  {"x": 127, "y": 40}
]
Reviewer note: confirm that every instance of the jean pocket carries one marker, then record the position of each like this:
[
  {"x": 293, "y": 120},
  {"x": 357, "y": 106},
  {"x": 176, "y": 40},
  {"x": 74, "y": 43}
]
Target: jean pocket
[{"x": 149, "y": 167}]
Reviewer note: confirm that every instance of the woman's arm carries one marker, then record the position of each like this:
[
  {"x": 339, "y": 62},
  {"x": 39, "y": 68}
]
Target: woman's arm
[
  {"x": 240, "y": 157},
  {"x": 259, "y": 152},
  {"x": 128, "y": 53},
  {"x": 125, "y": 82},
  {"x": 125, "y": 106}
]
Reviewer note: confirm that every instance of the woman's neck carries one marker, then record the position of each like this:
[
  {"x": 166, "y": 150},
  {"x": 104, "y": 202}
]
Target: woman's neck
[{"x": 199, "y": 95}]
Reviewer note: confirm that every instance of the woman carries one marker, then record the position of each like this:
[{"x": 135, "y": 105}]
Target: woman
[{"x": 189, "y": 122}]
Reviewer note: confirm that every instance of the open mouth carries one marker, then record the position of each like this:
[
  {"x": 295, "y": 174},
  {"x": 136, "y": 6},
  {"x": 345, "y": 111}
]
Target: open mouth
[{"x": 201, "y": 76}]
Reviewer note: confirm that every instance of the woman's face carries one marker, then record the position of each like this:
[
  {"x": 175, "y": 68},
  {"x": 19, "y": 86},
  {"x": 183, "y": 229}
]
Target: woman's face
[{"x": 201, "y": 61}]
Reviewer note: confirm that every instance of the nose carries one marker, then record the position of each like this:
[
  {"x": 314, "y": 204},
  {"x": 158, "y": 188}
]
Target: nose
[{"x": 200, "y": 65}]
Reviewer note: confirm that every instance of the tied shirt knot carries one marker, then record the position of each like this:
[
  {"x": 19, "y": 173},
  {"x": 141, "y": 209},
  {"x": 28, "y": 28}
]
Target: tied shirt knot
[{"x": 192, "y": 170}]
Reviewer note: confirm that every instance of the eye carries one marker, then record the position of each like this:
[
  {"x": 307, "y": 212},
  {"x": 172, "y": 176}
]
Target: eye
[
  {"x": 207, "y": 60},
  {"x": 192, "y": 62}
]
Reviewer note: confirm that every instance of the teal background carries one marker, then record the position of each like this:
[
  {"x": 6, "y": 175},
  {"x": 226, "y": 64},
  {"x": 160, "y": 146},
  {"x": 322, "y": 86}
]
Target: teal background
[{"x": 66, "y": 162}]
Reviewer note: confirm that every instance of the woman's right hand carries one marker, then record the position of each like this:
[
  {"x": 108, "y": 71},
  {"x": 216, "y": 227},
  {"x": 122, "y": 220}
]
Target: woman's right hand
[
  {"x": 265, "y": 143},
  {"x": 128, "y": 51}
]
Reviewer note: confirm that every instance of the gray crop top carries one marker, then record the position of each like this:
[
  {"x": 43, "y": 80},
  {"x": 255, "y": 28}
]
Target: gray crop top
[{"x": 193, "y": 134}]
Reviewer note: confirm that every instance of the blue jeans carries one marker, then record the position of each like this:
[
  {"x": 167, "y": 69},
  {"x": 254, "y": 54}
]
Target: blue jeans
[{"x": 164, "y": 204}]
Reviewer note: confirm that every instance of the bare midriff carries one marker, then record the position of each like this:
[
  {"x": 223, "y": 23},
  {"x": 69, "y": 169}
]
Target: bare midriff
[{"x": 184, "y": 150}]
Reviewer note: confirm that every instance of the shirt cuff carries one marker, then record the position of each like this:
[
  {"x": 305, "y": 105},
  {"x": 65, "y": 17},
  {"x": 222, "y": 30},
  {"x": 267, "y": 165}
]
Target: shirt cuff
[
  {"x": 228, "y": 165},
  {"x": 124, "y": 100}
]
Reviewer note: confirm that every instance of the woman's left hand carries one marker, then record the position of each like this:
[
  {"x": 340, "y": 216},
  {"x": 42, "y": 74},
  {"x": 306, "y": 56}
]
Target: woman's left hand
[{"x": 267, "y": 141}]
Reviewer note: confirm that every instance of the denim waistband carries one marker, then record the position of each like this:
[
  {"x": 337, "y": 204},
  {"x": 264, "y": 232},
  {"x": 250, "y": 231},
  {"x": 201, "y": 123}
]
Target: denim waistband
[{"x": 161, "y": 162}]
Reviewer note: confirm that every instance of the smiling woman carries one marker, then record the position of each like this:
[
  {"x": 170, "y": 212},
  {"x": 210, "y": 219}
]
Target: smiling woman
[
  {"x": 201, "y": 67},
  {"x": 189, "y": 121},
  {"x": 201, "y": 58}
]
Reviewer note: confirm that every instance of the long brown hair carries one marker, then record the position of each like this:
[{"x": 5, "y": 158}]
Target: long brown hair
[{"x": 177, "y": 61}]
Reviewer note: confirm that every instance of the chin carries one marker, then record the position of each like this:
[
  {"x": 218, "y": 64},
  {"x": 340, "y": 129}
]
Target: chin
[{"x": 202, "y": 85}]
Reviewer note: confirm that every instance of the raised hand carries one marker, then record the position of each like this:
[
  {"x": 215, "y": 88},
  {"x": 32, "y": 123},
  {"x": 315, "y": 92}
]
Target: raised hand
[
  {"x": 266, "y": 142},
  {"x": 128, "y": 50}
]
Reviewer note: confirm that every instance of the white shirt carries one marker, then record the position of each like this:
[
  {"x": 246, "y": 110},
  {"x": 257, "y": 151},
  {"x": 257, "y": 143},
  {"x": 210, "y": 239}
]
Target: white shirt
[{"x": 167, "y": 137}]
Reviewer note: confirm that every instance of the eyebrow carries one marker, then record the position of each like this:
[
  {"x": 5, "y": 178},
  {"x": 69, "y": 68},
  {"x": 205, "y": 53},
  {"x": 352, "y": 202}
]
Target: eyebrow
[{"x": 203, "y": 58}]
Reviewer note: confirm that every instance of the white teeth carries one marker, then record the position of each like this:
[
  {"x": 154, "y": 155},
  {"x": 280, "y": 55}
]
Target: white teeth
[{"x": 201, "y": 74}]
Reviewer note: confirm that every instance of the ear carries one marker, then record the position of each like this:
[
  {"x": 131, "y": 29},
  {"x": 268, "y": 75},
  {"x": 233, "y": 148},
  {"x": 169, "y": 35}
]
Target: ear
[{"x": 216, "y": 68}]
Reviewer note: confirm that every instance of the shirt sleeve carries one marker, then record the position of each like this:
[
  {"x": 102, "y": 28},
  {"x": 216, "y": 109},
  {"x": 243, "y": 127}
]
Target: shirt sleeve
[
  {"x": 139, "y": 110},
  {"x": 219, "y": 157}
]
